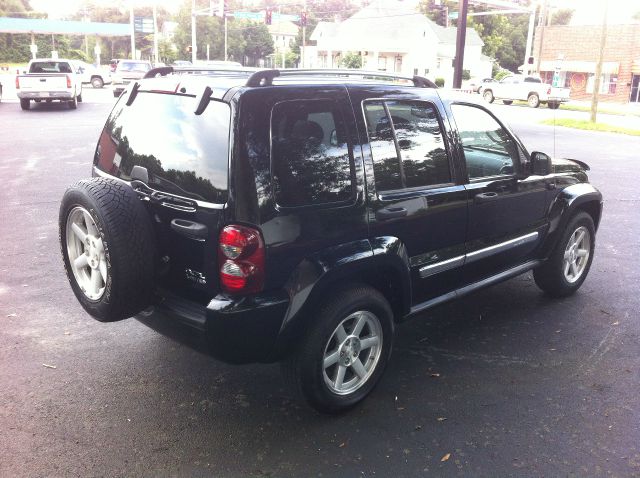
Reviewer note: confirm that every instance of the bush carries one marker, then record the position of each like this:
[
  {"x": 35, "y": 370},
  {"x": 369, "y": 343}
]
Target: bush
[
  {"x": 439, "y": 82},
  {"x": 351, "y": 60}
]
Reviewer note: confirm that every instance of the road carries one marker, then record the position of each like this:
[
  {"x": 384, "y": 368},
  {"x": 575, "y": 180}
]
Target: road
[{"x": 505, "y": 382}]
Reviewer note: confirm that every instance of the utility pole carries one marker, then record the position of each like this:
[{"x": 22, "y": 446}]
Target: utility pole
[
  {"x": 304, "y": 36},
  {"x": 133, "y": 34},
  {"x": 155, "y": 32},
  {"x": 226, "y": 36},
  {"x": 194, "y": 45},
  {"x": 596, "y": 80},
  {"x": 527, "y": 50},
  {"x": 461, "y": 36},
  {"x": 542, "y": 20}
]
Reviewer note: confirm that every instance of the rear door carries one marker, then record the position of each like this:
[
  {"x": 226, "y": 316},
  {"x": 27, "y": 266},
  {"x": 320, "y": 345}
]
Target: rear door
[
  {"x": 178, "y": 163},
  {"x": 413, "y": 189},
  {"x": 506, "y": 209}
]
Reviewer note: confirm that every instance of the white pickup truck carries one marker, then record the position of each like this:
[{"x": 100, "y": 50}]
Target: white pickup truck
[
  {"x": 49, "y": 80},
  {"x": 525, "y": 88}
]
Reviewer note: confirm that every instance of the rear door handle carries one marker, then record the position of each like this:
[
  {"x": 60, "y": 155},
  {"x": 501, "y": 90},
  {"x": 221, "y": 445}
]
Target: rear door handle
[
  {"x": 485, "y": 197},
  {"x": 193, "y": 230},
  {"x": 390, "y": 213}
]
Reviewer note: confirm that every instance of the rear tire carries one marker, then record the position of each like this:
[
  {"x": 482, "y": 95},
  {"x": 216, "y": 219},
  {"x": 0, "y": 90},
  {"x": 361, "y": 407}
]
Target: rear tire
[
  {"x": 25, "y": 104},
  {"x": 80, "y": 98},
  {"x": 349, "y": 337},
  {"x": 488, "y": 96},
  {"x": 567, "y": 267},
  {"x": 553, "y": 105},
  {"x": 97, "y": 82},
  {"x": 73, "y": 104},
  {"x": 108, "y": 248},
  {"x": 533, "y": 100}
]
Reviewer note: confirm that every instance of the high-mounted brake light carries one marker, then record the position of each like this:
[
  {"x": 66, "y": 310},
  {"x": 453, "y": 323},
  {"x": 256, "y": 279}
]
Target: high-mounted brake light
[{"x": 241, "y": 256}]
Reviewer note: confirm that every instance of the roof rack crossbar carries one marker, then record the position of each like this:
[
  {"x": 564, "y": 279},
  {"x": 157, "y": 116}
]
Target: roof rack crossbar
[
  {"x": 265, "y": 77},
  {"x": 165, "y": 70}
]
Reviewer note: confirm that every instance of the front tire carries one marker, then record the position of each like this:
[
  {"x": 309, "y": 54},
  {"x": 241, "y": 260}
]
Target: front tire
[
  {"x": 25, "y": 104},
  {"x": 343, "y": 355},
  {"x": 533, "y": 100},
  {"x": 97, "y": 82},
  {"x": 488, "y": 96},
  {"x": 569, "y": 263}
]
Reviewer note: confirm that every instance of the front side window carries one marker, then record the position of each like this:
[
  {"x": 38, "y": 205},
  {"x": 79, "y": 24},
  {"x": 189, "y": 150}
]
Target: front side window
[
  {"x": 407, "y": 145},
  {"x": 488, "y": 148},
  {"x": 310, "y": 155}
]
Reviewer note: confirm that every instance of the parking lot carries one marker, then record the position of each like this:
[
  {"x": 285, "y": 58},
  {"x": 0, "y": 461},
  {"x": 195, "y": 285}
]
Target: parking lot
[{"x": 503, "y": 383}]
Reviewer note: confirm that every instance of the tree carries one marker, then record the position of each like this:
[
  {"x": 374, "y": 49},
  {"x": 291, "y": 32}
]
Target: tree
[
  {"x": 351, "y": 60},
  {"x": 562, "y": 16},
  {"x": 259, "y": 42}
]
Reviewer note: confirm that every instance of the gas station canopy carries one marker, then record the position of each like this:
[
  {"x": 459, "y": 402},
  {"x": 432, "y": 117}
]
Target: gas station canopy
[{"x": 61, "y": 27}]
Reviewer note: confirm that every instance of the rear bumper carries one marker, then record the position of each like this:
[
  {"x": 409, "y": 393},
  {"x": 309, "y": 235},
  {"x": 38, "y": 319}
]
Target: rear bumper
[
  {"x": 234, "y": 330},
  {"x": 45, "y": 95}
]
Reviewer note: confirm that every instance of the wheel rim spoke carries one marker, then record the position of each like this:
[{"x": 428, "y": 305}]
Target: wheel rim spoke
[
  {"x": 340, "y": 333},
  {"x": 96, "y": 281},
  {"x": 579, "y": 238},
  {"x": 331, "y": 359},
  {"x": 77, "y": 230},
  {"x": 81, "y": 262},
  {"x": 574, "y": 269},
  {"x": 91, "y": 228},
  {"x": 369, "y": 342},
  {"x": 360, "y": 322},
  {"x": 102, "y": 267},
  {"x": 337, "y": 383},
  {"x": 358, "y": 368},
  {"x": 582, "y": 252}
]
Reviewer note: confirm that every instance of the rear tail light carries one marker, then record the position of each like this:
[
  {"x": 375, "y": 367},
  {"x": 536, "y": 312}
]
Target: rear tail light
[
  {"x": 17, "y": 83},
  {"x": 68, "y": 81},
  {"x": 242, "y": 260},
  {"x": 549, "y": 91}
]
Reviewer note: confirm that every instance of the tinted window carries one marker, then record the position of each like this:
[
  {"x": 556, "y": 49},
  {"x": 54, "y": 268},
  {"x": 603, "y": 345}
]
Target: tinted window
[
  {"x": 50, "y": 67},
  {"x": 488, "y": 149},
  {"x": 185, "y": 154},
  {"x": 407, "y": 145},
  {"x": 310, "y": 154}
]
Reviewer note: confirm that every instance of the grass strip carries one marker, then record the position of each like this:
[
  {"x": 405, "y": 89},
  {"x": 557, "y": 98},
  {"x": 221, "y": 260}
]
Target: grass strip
[{"x": 588, "y": 125}]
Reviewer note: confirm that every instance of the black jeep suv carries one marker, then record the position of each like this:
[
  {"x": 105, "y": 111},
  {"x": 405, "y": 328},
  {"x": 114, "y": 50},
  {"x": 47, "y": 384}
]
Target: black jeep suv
[{"x": 298, "y": 216}]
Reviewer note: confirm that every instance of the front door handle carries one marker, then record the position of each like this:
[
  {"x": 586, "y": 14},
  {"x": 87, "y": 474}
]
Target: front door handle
[
  {"x": 485, "y": 197},
  {"x": 390, "y": 213}
]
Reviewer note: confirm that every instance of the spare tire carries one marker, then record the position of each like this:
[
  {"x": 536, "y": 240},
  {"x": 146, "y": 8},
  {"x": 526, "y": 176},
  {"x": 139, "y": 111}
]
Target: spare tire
[{"x": 108, "y": 248}]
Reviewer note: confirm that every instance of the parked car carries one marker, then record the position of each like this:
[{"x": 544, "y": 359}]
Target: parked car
[
  {"x": 90, "y": 74},
  {"x": 49, "y": 80},
  {"x": 526, "y": 88},
  {"x": 301, "y": 217},
  {"x": 476, "y": 84},
  {"x": 126, "y": 72}
]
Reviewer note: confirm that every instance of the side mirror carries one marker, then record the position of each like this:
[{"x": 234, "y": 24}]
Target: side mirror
[{"x": 540, "y": 164}]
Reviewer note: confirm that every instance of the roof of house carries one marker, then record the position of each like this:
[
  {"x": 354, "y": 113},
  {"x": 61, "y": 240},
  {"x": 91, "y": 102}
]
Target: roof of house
[
  {"x": 283, "y": 28},
  {"x": 392, "y": 26}
]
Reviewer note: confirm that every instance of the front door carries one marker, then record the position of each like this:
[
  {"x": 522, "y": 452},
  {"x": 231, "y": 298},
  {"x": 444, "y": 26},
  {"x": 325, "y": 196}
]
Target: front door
[
  {"x": 506, "y": 209},
  {"x": 413, "y": 191}
]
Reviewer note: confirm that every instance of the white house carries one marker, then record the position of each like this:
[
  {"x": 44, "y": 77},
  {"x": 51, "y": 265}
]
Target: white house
[{"x": 394, "y": 37}]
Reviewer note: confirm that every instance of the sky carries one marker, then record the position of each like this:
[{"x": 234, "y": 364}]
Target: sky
[{"x": 587, "y": 12}]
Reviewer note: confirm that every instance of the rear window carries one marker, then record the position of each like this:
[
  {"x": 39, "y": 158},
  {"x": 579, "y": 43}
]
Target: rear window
[
  {"x": 184, "y": 154},
  {"x": 50, "y": 67}
]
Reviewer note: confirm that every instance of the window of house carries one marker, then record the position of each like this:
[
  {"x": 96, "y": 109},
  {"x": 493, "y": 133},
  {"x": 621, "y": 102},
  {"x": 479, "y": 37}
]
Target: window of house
[
  {"x": 407, "y": 145},
  {"x": 608, "y": 83},
  {"x": 488, "y": 148},
  {"x": 310, "y": 154}
]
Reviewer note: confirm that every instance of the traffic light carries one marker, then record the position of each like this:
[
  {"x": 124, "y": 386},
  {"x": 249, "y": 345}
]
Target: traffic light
[
  {"x": 303, "y": 19},
  {"x": 267, "y": 16}
]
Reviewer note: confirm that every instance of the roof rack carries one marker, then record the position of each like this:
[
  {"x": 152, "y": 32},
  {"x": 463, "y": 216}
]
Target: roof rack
[
  {"x": 265, "y": 77},
  {"x": 166, "y": 70}
]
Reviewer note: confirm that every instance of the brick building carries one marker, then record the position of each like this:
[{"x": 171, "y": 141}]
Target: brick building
[{"x": 574, "y": 51}]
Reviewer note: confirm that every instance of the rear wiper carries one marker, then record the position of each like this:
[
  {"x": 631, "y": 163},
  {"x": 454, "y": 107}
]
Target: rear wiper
[{"x": 204, "y": 101}]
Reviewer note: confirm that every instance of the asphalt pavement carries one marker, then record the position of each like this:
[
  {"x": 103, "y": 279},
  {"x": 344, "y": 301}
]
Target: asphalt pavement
[{"x": 505, "y": 382}]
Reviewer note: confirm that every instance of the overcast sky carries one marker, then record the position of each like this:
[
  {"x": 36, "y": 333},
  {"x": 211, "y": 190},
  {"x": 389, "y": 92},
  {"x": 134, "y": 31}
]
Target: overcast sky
[{"x": 586, "y": 11}]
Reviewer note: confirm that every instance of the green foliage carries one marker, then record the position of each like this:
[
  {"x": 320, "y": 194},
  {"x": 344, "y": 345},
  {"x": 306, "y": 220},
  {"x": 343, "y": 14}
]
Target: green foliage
[
  {"x": 562, "y": 16},
  {"x": 351, "y": 60},
  {"x": 466, "y": 75},
  {"x": 258, "y": 42},
  {"x": 439, "y": 82},
  {"x": 501, "y": 74}
]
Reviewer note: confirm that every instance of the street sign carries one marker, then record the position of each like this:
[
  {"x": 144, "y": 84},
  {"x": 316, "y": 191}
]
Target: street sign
[
  {"x": 453, "y": 15},
  {"x": 143, "y": 25},
  {"x": 556, "y": 80}
]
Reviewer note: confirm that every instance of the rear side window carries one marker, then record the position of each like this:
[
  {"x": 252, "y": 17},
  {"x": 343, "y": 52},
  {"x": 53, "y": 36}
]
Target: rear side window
[
  {"x": 184, "y": 154},
  {"x": 407, "y": 145},
  {"x": 310, "y": 155}
]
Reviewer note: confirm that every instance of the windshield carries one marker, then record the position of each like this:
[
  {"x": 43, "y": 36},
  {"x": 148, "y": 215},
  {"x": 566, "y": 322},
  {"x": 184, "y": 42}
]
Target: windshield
[{"x": 185, "y": 154}]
